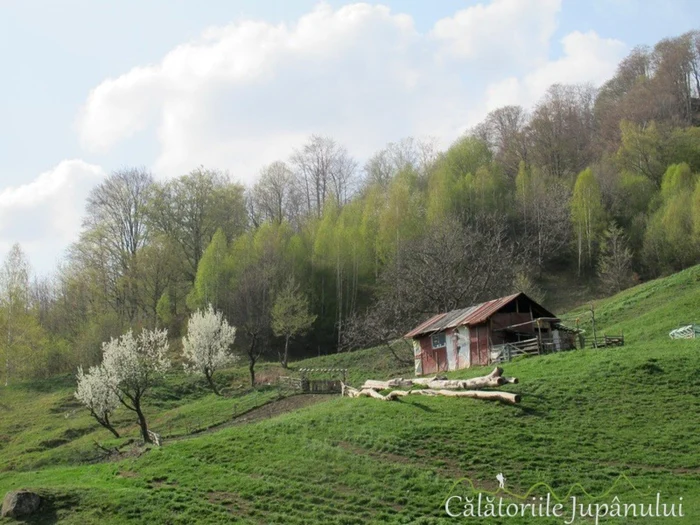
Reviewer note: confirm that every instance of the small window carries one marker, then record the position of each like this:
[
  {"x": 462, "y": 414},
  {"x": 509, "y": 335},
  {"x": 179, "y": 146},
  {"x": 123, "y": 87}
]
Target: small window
[{"x": 438, "y": 340}]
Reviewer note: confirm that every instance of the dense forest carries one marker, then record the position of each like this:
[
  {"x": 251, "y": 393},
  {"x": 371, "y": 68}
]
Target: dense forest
[{"x": 600, "y": 185}]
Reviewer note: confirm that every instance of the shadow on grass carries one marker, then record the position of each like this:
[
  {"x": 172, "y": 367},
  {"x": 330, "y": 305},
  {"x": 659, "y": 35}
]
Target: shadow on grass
[
  {"x": 530, "y": 411},
  {"x": 46, "y": 386},
  {"x": 421, "y": 406}
]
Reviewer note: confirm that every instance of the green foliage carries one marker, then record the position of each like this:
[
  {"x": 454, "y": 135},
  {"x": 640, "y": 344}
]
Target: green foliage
[
  {"x": 641, "y": 151},
  {"x": 164, "y": 309},
  {"x": 677, "y": 179},
  {"x": 588, "y": 216},
  {"x": 670, "y": 242},
  {"x": 402, "y": 216},
  {"x": 290, "y": 315},
  {"x": 213, "y": 274}
]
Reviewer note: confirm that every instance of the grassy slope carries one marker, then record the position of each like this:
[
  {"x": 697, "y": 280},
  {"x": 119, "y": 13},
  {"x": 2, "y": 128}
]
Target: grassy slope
[{"x": 586, "y": 417}]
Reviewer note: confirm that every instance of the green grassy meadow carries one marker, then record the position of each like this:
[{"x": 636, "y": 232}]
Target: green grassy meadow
[{"x": 587, "y": 417}]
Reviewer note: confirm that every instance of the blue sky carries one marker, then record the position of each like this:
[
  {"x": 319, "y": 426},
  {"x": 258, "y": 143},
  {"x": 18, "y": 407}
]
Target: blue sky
[{"x": 91, "y": 86}]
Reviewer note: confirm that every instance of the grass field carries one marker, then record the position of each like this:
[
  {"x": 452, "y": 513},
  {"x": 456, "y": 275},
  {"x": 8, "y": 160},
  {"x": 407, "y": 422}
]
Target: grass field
[{"x": 587, "y": 417}]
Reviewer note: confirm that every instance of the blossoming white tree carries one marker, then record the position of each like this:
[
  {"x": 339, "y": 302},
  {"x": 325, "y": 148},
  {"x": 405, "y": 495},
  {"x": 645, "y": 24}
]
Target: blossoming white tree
[
  {"x": 206, "y": 346},
  {"x": 133, "y": 365},
  {"x": 96, "y": 392}
]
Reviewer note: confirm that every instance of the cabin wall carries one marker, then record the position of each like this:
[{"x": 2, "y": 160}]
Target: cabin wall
[
  {"x": 463, "y": 354},
  {"x": 418, "y": 361}
]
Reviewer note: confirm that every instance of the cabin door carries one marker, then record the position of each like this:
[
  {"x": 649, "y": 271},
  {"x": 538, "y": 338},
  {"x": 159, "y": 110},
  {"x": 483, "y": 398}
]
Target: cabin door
[
  {"x": 441, "y": 359},
  {"x": 479, "y": 345},
  {"x": 434, "y": 360}
]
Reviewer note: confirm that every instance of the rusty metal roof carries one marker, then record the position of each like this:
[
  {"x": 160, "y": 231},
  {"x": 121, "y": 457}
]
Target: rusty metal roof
[{"x": 466, "y": 316}]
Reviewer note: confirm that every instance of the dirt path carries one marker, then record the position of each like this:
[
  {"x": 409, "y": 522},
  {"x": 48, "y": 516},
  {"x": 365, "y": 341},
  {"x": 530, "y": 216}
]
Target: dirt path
[{"x": 266, "y": 411}]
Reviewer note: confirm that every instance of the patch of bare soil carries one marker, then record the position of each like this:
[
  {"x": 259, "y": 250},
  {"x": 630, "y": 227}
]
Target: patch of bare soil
[
  {"x": 266, "y": 411},
  {"x": 279, "y": 407}
]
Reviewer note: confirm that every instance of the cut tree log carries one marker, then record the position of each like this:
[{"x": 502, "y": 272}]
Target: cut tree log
[
  {"x": 369, "y": 392},
  {"x": 494, "y": 379},
  {"x": 391, "y": 383},
  {"x": 506, "y": 397}
]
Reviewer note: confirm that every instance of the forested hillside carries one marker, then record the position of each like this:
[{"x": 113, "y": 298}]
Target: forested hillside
[{"x": 600, "y": 186}]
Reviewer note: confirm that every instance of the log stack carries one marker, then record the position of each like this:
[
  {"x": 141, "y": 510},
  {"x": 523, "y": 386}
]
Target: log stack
[{"x": 434, "y": 386}]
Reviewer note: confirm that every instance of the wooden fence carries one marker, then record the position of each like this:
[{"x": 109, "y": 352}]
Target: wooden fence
[
  {"x": 538, "y": 346},
  {"x": 606, "y": 340},
  {"x": 312, "y": 386},
  {"x": 508, "y": 351}
]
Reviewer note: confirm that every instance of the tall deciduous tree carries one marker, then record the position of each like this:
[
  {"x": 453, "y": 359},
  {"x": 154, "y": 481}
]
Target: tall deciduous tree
[
  {"x": 587, "y": 216},
  {"x": 18, "y": 333},
  {"x": 543, "y": 209},
  {"x": 561, "y": 130},
  {"x": 324, "y": 169},
  {"x": 115, "y": 230},
  {"x": 191, "y": 208},
  {"x": 290, "y": 316},
  {"x": 615, "y": 264},
  {"x": 213, "y": 274},
  {"x": 275, "y": 196}
]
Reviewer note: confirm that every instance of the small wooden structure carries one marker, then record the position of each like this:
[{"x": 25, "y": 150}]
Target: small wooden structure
[
  {"x": 490, "y": 332},
  {"x": 313, "y": 385}
]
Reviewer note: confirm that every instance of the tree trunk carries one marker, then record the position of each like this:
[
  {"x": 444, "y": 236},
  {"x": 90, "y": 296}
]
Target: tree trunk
[
  {"x": 494, "y": 379},
  {"x": 105, "y": 423},
  {"x": 383, "y": 385},
  {"x": 285, "y": 357},
  {"x": 506, "y": 397},
  {"x": 142, "y": 422},
  {"x": 251, "y": 361},
  {"x": 210, "y": 380}
]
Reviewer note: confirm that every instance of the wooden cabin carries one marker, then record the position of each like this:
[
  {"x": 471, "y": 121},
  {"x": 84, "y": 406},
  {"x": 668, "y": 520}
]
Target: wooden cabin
[{"x": 486, "y": 333}]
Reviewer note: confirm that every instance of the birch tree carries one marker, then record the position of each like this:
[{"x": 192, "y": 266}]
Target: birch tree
[
  {"x": 587, "y": 216},
  {"x": 14, "y": 290},
  {"x": 206, "y": 346}
]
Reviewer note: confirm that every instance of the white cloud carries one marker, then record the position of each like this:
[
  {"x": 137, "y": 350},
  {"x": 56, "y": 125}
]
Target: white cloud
[
  {"x": 44, "y": 215},
  {"x": 516, "y": 32},
  {"x": 247, "y": 93},
  {"x": 587, "y": 58}
]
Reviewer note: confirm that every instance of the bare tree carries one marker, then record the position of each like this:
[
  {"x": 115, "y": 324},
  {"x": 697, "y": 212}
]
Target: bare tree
[
  {"x": 115, "y": 230},
  {"x": 543, "y": 209},
  {"x": 452, "y": 266},
  {"x": 275, "y": 197},
  {"x": 561, "y": 130},
  {"x": 504, "y": 131},
  {"x": 408, "y": 153},
  {"x": 323, "y": 169},
  {"x": 615, "y": 264}
]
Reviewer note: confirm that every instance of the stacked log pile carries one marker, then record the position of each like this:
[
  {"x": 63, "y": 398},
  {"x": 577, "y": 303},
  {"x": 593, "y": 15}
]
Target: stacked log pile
[{"x": 435, "y": 386}]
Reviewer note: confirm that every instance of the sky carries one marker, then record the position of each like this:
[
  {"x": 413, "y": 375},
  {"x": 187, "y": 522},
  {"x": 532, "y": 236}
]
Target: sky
[{"x": 91, "y": 86}]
